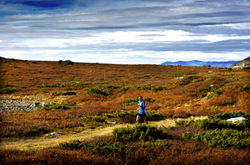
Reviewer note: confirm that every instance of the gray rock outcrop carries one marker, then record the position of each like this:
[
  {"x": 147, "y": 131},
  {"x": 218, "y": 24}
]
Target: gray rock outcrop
[
  {"x": 243, "y": 64},
  {"x": 12, "y": 105}
]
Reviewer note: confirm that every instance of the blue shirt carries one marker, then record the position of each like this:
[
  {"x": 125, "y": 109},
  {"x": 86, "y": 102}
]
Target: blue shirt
[{"x": 142, "y": 107}]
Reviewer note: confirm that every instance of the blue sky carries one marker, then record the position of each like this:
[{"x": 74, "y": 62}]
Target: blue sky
[{"x": 125, "y": 31}]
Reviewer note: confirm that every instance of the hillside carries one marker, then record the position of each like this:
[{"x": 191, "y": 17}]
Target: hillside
[
  {"x": 89, "y": 102},
  {"x": 244, "y": 62},
  {"x": 201, "y": 63}
]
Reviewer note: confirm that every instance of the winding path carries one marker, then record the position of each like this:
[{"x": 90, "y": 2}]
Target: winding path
[{"x": 45, "y": 142}]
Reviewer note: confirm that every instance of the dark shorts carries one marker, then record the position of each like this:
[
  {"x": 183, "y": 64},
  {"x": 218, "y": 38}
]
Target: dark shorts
[{"x": 142, "y": 115}]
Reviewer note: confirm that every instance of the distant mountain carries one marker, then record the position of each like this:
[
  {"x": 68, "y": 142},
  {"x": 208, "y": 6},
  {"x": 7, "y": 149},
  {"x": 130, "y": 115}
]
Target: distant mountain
[
  {"x": 245, "y": 62},
  {"x": 201, "y": 63}
]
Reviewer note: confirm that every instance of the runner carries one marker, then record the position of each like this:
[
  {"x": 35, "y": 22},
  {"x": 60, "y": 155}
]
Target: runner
[{"x": 141, "y": 109}]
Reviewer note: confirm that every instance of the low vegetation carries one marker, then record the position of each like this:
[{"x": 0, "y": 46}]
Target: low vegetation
[{"x": 79, "y": 97}]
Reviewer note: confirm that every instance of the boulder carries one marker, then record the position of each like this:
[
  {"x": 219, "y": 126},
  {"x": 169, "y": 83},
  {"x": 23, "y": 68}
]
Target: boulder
[
  {"x": 66, "y": 62},
  {"x": 236, "y": 119},
  {"x": 52, "y": 134}
]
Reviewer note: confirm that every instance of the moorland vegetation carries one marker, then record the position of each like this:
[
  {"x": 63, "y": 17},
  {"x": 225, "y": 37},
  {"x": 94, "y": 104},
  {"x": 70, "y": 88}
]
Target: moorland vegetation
[{"x": 86, "y": 95}]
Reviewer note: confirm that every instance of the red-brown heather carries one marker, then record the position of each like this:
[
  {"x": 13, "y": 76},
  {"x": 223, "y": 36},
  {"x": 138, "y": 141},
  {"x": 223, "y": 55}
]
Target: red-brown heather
[{"x": 178, "y": 91}]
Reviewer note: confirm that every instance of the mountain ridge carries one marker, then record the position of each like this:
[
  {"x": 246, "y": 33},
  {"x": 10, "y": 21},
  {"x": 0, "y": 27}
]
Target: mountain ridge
[{"x": 201, "y": 63}]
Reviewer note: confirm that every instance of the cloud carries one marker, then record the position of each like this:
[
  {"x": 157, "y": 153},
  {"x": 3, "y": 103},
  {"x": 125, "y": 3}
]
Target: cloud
[{"x": 111, "y": 30}]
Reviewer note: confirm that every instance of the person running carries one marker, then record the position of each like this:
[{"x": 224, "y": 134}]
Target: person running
[{"x": 141, "y": 109}]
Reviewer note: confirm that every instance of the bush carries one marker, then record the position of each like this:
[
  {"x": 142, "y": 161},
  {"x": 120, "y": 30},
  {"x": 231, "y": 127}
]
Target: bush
[
  {"x": 45, "y": 90},
  {"x": 54, "y": 107},
  {"x": 245, "y": 88},
  {"x": 188, "y": 80},
  {"x": 151, "y": 115},
  {"x": 7, "y": 90},
  {"x": 216, "y": 123},
  {"x": 156, "y": 89},
  {"x": 138, "y": 132},
  {"x": 217, "y": 93},
  {"x": 108, "y": 147},
  {"x": 103, "y": 90},
  {"x": 227, "y": 115},
  {"x": 124, "y": 89},
  {"x": 224, "y": 138},
  {"x": 104, "y": 147},
  {"x": 141, "y": 87},
  {"x": 94, "y": 91}
]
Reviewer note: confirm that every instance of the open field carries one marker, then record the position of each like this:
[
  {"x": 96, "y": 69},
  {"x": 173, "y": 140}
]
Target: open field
[{"x": 90, "y": 104}]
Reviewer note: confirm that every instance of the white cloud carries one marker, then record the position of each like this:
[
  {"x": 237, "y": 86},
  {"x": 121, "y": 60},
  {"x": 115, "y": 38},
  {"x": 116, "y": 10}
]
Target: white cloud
[
  {"x": 122, "y": 56},
  {"x": 239, "y": 26},
  {"x": 149, "y": 31},
  {"x": 119, "y": 37}
]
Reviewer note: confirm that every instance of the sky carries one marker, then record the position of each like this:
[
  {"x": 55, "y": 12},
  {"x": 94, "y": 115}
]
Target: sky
[{"x": 125, "y": 31}]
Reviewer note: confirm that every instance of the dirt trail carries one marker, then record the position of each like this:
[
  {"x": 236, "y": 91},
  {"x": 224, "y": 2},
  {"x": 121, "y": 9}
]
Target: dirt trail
[{"x": 45, "y": 142}]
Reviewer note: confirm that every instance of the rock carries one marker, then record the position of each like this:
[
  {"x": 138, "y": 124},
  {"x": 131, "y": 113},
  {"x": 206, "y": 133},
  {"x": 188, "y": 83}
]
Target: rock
[
  {"x": 52, "y": 134},
  {"x": 12, "y": 105},
  {"x": 244, "y": 64},
  {"x": 43, "y": 103},
  {"x": 110, "y": 122},
  {"x": 180, "y": 78},
  {"x": 236, "y": 119},
  {"x": 66, "y": 62}
]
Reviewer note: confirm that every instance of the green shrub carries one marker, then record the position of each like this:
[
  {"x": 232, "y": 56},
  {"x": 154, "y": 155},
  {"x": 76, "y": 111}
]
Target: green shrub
[
  {"x": 7, "y": 90},
  {"x": 188, "y": 80},
  {"x": 245, "y": 88},
  {"x": 224, "y": 138},
  {"x": 54, "y": 106},
  {"x": 148, "y": 99},
  {"x": 124, "y": 89},
  {"x": 138, "y": 132},
  {"x": 94, "y": 90},
  {"x": 141, "y": 87},
  {"x": 151, "y": 115},
  {"x": 45, "y": 90},
  {"x": 211, "y": 108},
  {"x": 108, "y": 147},
  {"x": 104, "y": 147},
  {"x": 227, "y": 115},
  {"x": 56, "y": 93},
  {"x": 214, "y": 124},
  {"x": 120, "y": 114},
  {"x": 217, "y": 93},
  {"x": 92, "y": 119},
  {"x": 156, "y": 89},
  {"x": 103, "y": 90}
]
